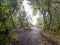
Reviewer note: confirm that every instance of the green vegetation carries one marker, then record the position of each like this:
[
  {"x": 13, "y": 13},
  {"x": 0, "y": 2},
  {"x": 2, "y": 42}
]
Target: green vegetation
[
  {"x": 40, "y": 22},
  {"x": 51, "y": 36},
  {"x": 51, "y": 13},
  {"x": 14, "y": 16},
  {"x": 50, "y": 9},
  {"x": 9, "y": 19},
  {"x": 5, "y": 19}
]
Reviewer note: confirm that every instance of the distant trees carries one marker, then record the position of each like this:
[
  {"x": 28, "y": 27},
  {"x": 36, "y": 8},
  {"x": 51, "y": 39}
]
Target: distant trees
[
  {"x": 40, "y": 22},
  {"x": 22, "y": 19}
]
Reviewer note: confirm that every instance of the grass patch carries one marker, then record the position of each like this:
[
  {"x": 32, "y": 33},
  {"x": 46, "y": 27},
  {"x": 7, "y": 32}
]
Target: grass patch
[
  {"x": 14, "y": 37},
  {"x": 54, "y": 36}
]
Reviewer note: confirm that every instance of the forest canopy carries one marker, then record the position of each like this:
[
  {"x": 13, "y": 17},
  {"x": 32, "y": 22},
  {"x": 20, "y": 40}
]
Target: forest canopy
[{"x": 14, "y": 16}]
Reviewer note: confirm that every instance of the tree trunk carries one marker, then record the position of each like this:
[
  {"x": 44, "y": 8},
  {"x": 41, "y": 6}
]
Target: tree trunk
[{"x": 12, "y": 21}]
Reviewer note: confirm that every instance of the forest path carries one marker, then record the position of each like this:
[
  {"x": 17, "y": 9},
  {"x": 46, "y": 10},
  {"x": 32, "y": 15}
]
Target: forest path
[{"x": 30, "y": 37}]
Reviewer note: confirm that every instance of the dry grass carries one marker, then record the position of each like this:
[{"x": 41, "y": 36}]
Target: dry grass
[
  {"x": 15, "y": 37},
  {"x": 51, "y": 36}
]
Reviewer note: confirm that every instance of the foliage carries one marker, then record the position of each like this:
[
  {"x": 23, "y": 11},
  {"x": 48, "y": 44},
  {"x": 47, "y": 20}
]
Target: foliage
[
  {"x": 50, "y": 9},
  {"x": 5, "y": 19},
  {"x": 12, "y": 16}
]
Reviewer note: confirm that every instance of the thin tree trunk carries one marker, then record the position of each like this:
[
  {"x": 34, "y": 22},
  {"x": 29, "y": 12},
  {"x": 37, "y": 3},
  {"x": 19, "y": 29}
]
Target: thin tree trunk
[
  {"x": 48, "y": 2},
  {"x": 12, "y": 21}
]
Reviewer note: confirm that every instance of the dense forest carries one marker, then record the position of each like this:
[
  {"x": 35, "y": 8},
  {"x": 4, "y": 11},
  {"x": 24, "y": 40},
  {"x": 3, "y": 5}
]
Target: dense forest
[
  {"x": 50, "y": 11},
  {"x": 13, "y": 16}
]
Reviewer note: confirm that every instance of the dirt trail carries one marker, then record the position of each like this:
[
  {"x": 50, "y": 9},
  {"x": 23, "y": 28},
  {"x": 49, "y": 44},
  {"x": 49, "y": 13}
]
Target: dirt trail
[{"x": 30, "y": 37}]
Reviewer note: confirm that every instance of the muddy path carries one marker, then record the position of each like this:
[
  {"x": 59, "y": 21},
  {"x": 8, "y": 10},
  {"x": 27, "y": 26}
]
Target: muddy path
[{"x": 30, "y": 37}]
